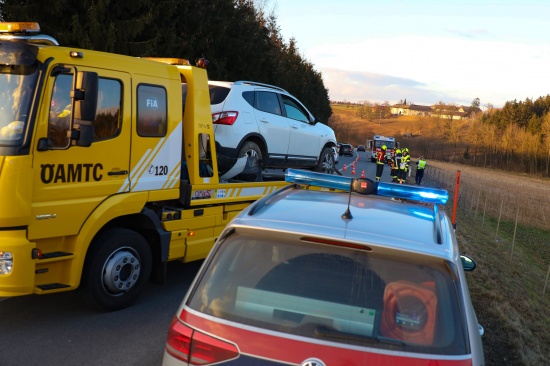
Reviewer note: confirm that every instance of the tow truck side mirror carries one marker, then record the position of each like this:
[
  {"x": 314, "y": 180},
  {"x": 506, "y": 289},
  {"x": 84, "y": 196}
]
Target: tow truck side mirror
[
  {"x": 85, "y": 107},
  {"x": 85, "y": 96}
]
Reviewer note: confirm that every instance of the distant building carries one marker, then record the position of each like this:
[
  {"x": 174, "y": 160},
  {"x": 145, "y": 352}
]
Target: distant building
[
  {"x": 443, "y": 111},
  {"x": 410, "y": 110}
]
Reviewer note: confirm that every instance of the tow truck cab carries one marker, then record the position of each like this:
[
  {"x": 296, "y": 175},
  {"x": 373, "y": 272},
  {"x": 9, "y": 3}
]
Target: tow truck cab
[{"x": 102, "y": 164}]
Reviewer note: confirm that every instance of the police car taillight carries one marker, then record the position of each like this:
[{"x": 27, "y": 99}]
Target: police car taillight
[
  {"x": 224, "y": 118},
  {"x": 367, "y": 186},
  {"x": 196, "y": 348}
]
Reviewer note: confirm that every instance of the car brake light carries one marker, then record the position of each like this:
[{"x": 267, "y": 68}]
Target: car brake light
[
  {"x": 179, "y": 339},
  {"x": 224, "y": 118},
  {"x": 207, "y": 350},
  {"x": 197, "y": 348}
]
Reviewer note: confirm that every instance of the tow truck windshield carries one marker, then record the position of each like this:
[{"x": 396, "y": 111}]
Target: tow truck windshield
[{"x": 18, "y": 78}]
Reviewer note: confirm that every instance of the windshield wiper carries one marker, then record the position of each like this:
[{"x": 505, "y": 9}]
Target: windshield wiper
[{"x": 323, "y": 331}]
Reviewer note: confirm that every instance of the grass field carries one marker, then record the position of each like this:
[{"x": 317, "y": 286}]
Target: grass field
[
  {"x": 510, "y": 287},
  {"x": 503, "y": 222}
]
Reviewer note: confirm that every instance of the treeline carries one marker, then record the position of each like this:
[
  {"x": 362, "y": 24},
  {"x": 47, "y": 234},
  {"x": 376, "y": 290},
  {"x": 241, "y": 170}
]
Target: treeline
[
  {"x": 240, "y": 39},
  {"x": 515, "y": 138}
]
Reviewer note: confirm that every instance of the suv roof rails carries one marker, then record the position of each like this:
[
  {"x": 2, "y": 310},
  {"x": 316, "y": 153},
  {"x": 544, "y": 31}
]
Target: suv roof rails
[{"x": 241, "y": 82}]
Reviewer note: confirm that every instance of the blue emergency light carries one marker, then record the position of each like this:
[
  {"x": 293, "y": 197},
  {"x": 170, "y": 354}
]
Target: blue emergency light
[{"x": 367, "y": 186}]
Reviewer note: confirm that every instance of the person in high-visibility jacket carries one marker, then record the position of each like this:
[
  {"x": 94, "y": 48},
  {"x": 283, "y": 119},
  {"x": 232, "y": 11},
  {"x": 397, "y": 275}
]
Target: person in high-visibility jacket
[
  {"x": 395, "y": 162},
  {"x": 420, "y": 167},
  {"x": 404, "y": 166},
  {"x": 380, "y": 161}
]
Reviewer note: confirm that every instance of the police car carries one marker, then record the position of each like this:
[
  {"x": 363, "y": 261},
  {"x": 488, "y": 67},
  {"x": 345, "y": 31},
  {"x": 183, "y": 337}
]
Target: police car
[{"x": 332, "y": 270}]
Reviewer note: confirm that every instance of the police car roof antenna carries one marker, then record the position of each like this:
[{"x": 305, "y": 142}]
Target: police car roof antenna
[{"x": 347, "y": 215}]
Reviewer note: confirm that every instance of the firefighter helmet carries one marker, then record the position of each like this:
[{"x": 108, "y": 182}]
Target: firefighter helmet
[{"x": 384, "y": 147}]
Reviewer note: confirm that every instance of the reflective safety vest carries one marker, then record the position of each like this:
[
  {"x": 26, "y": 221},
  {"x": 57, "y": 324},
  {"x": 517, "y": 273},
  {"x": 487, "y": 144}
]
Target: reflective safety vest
[
  {"x": 397, "y": 160},
  {"x": 381, "y": 157},
  {"x": 421, "y": 164},
  {"x": 405, "y": 162}
]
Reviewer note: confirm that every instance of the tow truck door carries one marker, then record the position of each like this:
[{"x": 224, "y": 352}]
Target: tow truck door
[{"x": 70, "y": 182}]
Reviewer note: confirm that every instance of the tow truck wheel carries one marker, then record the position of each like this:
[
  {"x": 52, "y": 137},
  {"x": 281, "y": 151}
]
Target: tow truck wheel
[
  {"x": 326, "y": 162},
  {"x": 117, "y": 268}
]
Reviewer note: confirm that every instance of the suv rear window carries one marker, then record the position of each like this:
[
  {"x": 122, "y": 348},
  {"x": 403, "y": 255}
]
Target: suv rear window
[
  {"x": 218, "y": 93},
  {"x": 333, "y": 293}
]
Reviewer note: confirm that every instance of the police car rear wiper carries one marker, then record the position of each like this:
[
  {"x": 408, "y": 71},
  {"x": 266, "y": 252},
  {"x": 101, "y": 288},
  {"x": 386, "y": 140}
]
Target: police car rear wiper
[{"x": 323, "y": 331}]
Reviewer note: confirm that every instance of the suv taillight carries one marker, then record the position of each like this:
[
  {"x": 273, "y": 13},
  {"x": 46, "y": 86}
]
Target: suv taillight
[
  {"x": 197, "y": 348},
  {"x": 224, "y": 118}
]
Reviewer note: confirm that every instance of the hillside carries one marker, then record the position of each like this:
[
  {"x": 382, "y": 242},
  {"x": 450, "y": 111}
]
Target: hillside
[{"x": 422, "y": 135}]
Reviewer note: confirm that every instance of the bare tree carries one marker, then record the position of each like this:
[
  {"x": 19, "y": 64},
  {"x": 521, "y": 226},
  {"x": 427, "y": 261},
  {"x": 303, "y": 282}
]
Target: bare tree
[{"x": 545, "y": 134}]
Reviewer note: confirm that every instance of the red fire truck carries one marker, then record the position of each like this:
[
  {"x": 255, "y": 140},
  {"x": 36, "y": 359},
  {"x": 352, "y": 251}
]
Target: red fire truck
[{"x": 375, "y": 145}]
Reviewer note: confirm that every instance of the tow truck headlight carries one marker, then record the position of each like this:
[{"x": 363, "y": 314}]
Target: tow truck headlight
[{"x": 6, "y": 263}]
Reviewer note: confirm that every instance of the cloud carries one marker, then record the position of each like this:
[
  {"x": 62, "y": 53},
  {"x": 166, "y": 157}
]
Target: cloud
[
  {"x": 355, "y": 86},
  {"x": 469, "y": 33},
  {"x": 431, "y": 69}
]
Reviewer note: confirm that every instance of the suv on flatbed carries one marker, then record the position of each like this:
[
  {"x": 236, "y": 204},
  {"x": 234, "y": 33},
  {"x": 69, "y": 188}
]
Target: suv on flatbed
[
  {"x": 263, "y": 120},
  {"x": 315, "y": 275}
]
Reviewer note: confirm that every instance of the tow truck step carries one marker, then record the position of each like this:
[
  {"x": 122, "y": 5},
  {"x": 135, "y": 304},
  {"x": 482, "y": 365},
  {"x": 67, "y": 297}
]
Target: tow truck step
[
  {"x": 54, "y": 255},
  {"x": 52, "y": 286}
]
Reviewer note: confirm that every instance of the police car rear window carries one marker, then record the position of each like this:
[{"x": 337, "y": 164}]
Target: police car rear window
[{"x": 333, "y": 293}]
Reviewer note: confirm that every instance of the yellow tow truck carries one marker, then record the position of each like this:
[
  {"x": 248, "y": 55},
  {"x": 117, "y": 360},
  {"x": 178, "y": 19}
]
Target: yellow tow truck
[{"x": 108, "y": 169}]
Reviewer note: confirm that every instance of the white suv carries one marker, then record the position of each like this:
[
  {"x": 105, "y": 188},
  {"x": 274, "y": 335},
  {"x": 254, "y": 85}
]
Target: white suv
[{"x": 253, "y": 119}]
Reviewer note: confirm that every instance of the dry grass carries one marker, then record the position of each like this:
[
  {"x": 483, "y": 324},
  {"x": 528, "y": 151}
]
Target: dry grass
[
  {"x": 508, "y": 287},
  {"x": 513, "y": 252}
]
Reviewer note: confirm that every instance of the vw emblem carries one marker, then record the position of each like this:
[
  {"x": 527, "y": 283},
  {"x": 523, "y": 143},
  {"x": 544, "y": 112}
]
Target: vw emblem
[{"x": 313, "y": 362}]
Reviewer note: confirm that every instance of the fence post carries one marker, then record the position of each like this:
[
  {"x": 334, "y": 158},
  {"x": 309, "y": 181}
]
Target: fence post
[
  {"x": 499, "y": 216},
  {"x": 457, "y": 186},
  {"x": 546, "y": 281},
  {"x": 515, "y": 230},
  {"x": 477, "y": 204},
  {"x": 484, "y": 209}
]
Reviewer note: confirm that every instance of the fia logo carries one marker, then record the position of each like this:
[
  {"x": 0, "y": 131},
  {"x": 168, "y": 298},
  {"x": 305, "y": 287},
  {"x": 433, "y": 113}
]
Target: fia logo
[{"x": 152, "y": 103}]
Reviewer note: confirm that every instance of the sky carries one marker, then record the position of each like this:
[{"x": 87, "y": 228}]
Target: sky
[{"x": 424, "y": 51}]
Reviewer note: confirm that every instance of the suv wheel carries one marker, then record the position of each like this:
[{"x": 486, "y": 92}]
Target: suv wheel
[
  {"x": 326, "y": 162},
  {"x": 250, "y": 149}
]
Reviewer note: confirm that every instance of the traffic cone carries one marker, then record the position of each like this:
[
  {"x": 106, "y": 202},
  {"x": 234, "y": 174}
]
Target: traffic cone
[
  {"x": 344, "y": 167},
  {"x": 363, "y": 173},
  {"x": 353, "y": 169}
]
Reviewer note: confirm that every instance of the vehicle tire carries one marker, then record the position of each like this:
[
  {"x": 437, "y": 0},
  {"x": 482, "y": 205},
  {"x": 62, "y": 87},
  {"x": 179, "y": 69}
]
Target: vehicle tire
[
  {"x": 326, "y": 162},
  {"x": 250, "y": 148},
  {"x": 116, "y": 270}
]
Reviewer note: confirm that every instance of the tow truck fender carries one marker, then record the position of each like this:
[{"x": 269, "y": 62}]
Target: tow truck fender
[{"x": 114, "y": 207}]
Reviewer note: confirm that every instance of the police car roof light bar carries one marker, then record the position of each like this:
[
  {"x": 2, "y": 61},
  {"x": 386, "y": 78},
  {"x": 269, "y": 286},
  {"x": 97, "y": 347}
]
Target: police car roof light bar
[
  {"x": 428, "y": 195},
  {"x": 364, "y": 186},
  {"x": 339, "y": 182}
]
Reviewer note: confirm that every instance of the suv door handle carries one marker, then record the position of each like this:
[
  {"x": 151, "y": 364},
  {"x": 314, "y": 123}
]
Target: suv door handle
[{"x": 264, "y": 120}]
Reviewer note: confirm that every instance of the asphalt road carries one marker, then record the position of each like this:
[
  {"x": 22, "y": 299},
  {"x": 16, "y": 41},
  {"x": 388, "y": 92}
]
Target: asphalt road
[
  {"x": 362, "y": 164},
  {"x": 60, "y": 329}
]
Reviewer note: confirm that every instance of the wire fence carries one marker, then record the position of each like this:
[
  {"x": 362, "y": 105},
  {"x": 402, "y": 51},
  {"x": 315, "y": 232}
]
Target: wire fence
[{"x": 499, "y": 203}]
